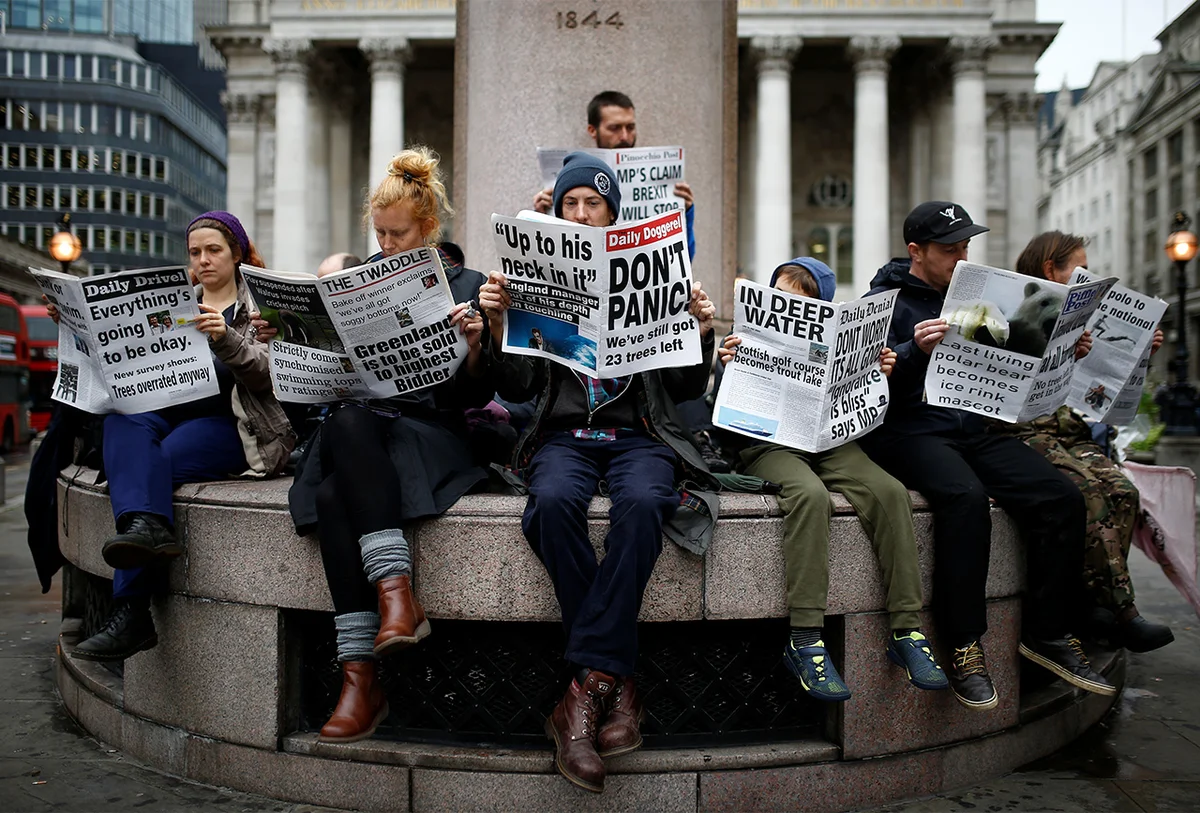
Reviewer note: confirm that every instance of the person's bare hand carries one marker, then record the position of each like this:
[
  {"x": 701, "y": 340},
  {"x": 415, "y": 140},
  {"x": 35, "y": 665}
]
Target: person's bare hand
[
  {"x": 260, "y": 328},
  {"x": 1157, "y": 341},
  {"x": 494, "y": 301},
  {"x": 684, "y": 191},
  {"x": 210, "y": 322},
  {"x": 702, "y": 308},
  {"x": 887, "y": 360},
  {"x": 51, "y": 309},
  {"x": 543, "y": 201},
  {"x": 927, "y": 334},
  {"x": 1084, "y": 345},
  {"x": 728, "y": 348},
  {"x": 470, "y": 323}
]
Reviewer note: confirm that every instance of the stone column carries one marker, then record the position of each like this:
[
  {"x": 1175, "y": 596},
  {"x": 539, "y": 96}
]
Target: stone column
[
  {"x": 343, "y": 196},
  {"x": 291, "y": 152},
  {"x": 773, "y": 154},
  {"x": 318, "y": 242},
  {"x": 241, "y": 179},
  {"x": 387, "y": 58},
  {"x": 1021, "y": 111},
  {"x": 872, "y": 165},
  {"x": 970, "y": 132}
]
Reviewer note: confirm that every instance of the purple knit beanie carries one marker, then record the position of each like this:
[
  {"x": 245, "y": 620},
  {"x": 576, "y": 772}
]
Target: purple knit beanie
[{"x": 230, "y": 222}]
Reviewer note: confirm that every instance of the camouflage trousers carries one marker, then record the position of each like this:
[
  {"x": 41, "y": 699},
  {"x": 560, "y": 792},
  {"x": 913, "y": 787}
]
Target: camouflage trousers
[{"x": 1112, "y": 507}]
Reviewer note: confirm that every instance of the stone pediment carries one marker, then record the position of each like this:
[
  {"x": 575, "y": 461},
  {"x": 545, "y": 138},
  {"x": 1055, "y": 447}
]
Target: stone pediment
[{"x": 1172, "y": 82}]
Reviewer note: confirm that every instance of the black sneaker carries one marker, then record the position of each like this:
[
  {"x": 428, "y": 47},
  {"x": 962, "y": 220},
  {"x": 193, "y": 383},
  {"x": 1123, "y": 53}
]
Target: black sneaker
[
  {"x": 1064, "y": 657},
  {"x": 1139, "y": 635},
  {"x": 969, "y": 678},
  {"x": 145, "y": 538},
  {"x": 710, "y": 454},
  {"x": 130, "y": 629}
]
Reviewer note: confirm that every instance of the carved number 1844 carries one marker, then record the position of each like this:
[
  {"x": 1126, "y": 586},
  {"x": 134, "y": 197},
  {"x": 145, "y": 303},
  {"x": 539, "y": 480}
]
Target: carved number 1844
[{"x": 570, "y": 19}]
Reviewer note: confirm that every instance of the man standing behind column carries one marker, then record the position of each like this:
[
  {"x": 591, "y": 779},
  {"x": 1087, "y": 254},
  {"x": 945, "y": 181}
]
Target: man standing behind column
[
  {"x": 946, "y": 456},
  {"x": 612, "y": 125}
]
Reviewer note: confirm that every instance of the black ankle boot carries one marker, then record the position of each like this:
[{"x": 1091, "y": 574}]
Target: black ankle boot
[
  {"x": 130, "y": 629},
  {"x": 1139, "y": 635},
  {"x": 144, "y": 538}
]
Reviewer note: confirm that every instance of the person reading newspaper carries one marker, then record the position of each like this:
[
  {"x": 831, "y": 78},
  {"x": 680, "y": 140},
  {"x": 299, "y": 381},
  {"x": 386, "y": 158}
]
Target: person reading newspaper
[
  {"x": 1066, "y": 440},
  {"x": 375, "y": 466},
  {"x": 948, "y": 457},
  {"x": 241, "y": 430},
  {"x": 626, "y": 432},
  {"x": 881, "y": 503}
]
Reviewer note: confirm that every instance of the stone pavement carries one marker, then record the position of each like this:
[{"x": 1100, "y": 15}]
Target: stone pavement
[{"x": 1144, "y": 757}]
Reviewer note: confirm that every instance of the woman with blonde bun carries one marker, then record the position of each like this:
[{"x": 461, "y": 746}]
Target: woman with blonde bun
[{"x": 375, "y": 466}]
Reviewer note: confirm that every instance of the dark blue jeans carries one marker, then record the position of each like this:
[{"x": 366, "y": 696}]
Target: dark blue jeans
[
  {"x": 600, "y": 601},
  {"x": 146, "y": 456}
]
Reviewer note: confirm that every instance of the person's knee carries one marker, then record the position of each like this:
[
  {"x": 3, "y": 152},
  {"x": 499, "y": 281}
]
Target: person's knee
[
  {"x": 650, "y": 503},
  {"x": 557, "y": 498},
  {"x": 963, "y": 496},
  {"x": 347, "y": 427},
  {"x": 815, "y": 502}
]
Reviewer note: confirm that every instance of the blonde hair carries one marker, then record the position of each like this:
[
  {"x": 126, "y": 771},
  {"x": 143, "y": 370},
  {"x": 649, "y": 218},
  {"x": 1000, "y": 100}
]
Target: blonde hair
[{"x": 413, "y": 177}]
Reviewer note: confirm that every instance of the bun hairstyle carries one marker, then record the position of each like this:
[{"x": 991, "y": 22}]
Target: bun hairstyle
[
  {"x": 1051, "y": 246},
  {"x": 413, "y": 177},
  {"x": 224, "y": 223}
]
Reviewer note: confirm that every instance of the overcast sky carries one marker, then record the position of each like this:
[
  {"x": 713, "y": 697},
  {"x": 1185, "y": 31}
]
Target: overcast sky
[{"x": 1094, "y": 31}]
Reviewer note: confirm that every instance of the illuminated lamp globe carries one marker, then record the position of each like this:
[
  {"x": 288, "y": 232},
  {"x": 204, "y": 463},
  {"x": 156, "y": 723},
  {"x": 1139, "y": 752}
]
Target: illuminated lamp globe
[
  {"x": 66, "y": 247},
  {"x": 1181, "y": 246}
]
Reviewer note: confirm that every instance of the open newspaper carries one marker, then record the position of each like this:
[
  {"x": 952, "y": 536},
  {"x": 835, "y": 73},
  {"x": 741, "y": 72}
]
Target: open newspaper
[
  {"x": 1108, "y": 381},
  {"x": 645, "y": 175},
  {"x": 372, "y": 331},
  {"x": 806, "y": 374},
  {"x": 604, "y": 301},
  {"x": 1010, "y": 350},
  {"x": 127, "y": 341}
]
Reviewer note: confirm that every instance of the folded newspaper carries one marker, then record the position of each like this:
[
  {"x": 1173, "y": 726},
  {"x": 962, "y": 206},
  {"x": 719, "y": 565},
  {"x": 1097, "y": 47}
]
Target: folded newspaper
[
  {"x": 372, "y": 331},
  {"x": 1107, "y": 383},
  {"x": 127, "y": 342},
  {"x": 806, "y": 374},
  {"x": 646, "y": 176},
  {"x": 1010, "y": 350},
  {"x": 604, "y": 301}
]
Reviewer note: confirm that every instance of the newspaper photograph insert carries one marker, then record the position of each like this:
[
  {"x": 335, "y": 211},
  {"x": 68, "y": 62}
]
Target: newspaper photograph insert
[
  {"x": 604, "y": 301},
  {"x": 1010, "y": 350},
  {"x": 127, "y": 341},
  {"x": 807, "y": 372},
  {"x": 645, "y": 175},
  {"x": 373, "y": 331}
]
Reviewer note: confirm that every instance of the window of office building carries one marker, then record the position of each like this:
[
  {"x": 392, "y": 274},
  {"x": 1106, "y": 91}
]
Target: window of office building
[
  {"x": 1151, "y": 204},
  {"x": 1150, "y": 162},
  {"x": 1175, "y": 193},
  {"x": 1175, "y": 148}
]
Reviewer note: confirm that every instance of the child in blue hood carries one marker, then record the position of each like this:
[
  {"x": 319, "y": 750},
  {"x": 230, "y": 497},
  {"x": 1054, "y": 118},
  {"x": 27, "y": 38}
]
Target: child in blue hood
[{"x": 883, "y": 506}]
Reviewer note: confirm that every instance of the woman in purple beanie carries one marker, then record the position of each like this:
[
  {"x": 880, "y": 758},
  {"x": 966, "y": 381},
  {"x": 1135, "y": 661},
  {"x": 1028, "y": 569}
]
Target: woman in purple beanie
[{"x": 241, "y": 431}]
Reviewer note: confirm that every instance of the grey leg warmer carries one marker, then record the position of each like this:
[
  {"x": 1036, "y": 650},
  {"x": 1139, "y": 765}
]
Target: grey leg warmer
[
  {"x": 385, "y": 555},
  {"x": 356, "y": 636}
]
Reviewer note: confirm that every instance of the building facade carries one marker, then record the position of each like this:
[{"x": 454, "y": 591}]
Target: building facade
[{"x": 850, "y": 113}]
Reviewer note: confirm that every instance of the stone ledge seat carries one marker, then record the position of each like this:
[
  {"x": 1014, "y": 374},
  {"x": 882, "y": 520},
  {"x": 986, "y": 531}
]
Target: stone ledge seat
[{"x": 213, "y": 701}]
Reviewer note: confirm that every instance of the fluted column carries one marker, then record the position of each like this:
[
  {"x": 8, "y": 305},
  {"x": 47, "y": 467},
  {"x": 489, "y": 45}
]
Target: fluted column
[
  {"x": 773, "y": 154},
  {"x": 318, "y": 242},
  {"x": 241, "y": 179},
  {"x": 970, "y": 132},
  {"x": 387, "y": 58},
  {"x": 291, "y": 152},
  {"x": 343, "y": 197},
  {"x": 872, "y": 198},
  {"x": 1021, "y": 111}
]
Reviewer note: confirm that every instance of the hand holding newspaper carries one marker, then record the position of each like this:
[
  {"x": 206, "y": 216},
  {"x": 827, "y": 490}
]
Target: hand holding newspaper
[
  {"x": 1010, "y": 350},
  {"x": 807, "y": 372},
  {"x": 373, "y": 331},
  {"x": 645, "y": 175},
  {"x": 127, "y": 341},
  {"x": 1107, "y": 383},
  {"x": 604, "y": 301}
]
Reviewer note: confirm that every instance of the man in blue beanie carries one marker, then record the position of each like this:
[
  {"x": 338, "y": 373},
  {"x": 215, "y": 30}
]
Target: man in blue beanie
[
  {"x": 883, "y": 507},
  {"x": 625, "y": 431}
]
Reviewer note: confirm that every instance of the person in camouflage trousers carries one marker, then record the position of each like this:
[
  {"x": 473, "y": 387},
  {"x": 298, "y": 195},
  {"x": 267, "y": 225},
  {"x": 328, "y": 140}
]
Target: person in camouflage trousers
[{"x": 1065, "y": 439}]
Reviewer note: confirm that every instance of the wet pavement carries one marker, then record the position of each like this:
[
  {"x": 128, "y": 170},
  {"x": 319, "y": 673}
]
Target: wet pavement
[{"x": 1143, "y": 757}]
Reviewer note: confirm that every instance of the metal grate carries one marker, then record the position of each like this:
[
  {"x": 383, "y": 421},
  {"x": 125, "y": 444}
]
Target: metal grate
[{"x": 704, "y": 683}]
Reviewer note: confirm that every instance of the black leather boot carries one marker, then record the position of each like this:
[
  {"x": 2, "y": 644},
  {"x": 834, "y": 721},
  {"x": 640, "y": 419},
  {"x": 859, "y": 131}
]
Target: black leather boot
[
  {"x": 144, "y": 538},
  {"x": 130, "y": 629}
]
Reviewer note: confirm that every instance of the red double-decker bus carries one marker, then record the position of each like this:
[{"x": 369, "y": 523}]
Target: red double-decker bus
[
  {"x": 43, "y": 364},
  {"x": 14, "y": 375}
]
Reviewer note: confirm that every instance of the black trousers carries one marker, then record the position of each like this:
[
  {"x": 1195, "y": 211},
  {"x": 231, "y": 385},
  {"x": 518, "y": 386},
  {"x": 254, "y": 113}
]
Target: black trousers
[
  {"x": 359, "y": 495},
  {"x": 957, "y": 475}
]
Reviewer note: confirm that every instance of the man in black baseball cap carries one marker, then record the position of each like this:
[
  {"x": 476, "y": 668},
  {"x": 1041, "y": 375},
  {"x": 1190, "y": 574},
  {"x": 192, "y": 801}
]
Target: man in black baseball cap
[{"x": 948, "y": 457}]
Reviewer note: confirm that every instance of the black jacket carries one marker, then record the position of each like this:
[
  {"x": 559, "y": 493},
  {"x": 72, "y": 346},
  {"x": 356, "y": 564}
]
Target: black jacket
[{"x": 908, "y": 413}]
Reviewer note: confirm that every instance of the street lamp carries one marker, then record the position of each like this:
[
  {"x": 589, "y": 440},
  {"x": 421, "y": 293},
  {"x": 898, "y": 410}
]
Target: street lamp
[
  {"x": 1177, "y": 401},
  {"x": 65, "y": 246}
]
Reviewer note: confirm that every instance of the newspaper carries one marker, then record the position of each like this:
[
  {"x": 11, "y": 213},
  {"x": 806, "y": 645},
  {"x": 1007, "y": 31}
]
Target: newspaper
[
  {"x": 806, "y": 374},
  {"x": 127, "y": 341},
  {"x": 1108, "y": 381},
  {"x": 1010, "y": 350},
  {"x": 645, "y": 175},
  {"x": 604, "y": 301},
  {"x": 373, "y": 331}
]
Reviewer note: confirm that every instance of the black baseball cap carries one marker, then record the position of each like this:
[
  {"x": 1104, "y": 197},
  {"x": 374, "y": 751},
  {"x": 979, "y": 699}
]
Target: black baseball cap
[{"x": 940, "y": 221}]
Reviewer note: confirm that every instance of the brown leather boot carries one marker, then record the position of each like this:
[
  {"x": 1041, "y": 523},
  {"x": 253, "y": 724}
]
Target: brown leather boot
[
  {"x": 573, "y": 725},
  {"x": 621, "y": 732},
  {"x": 362, "y": 706},
  {"x": 402, "y": 620}
]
